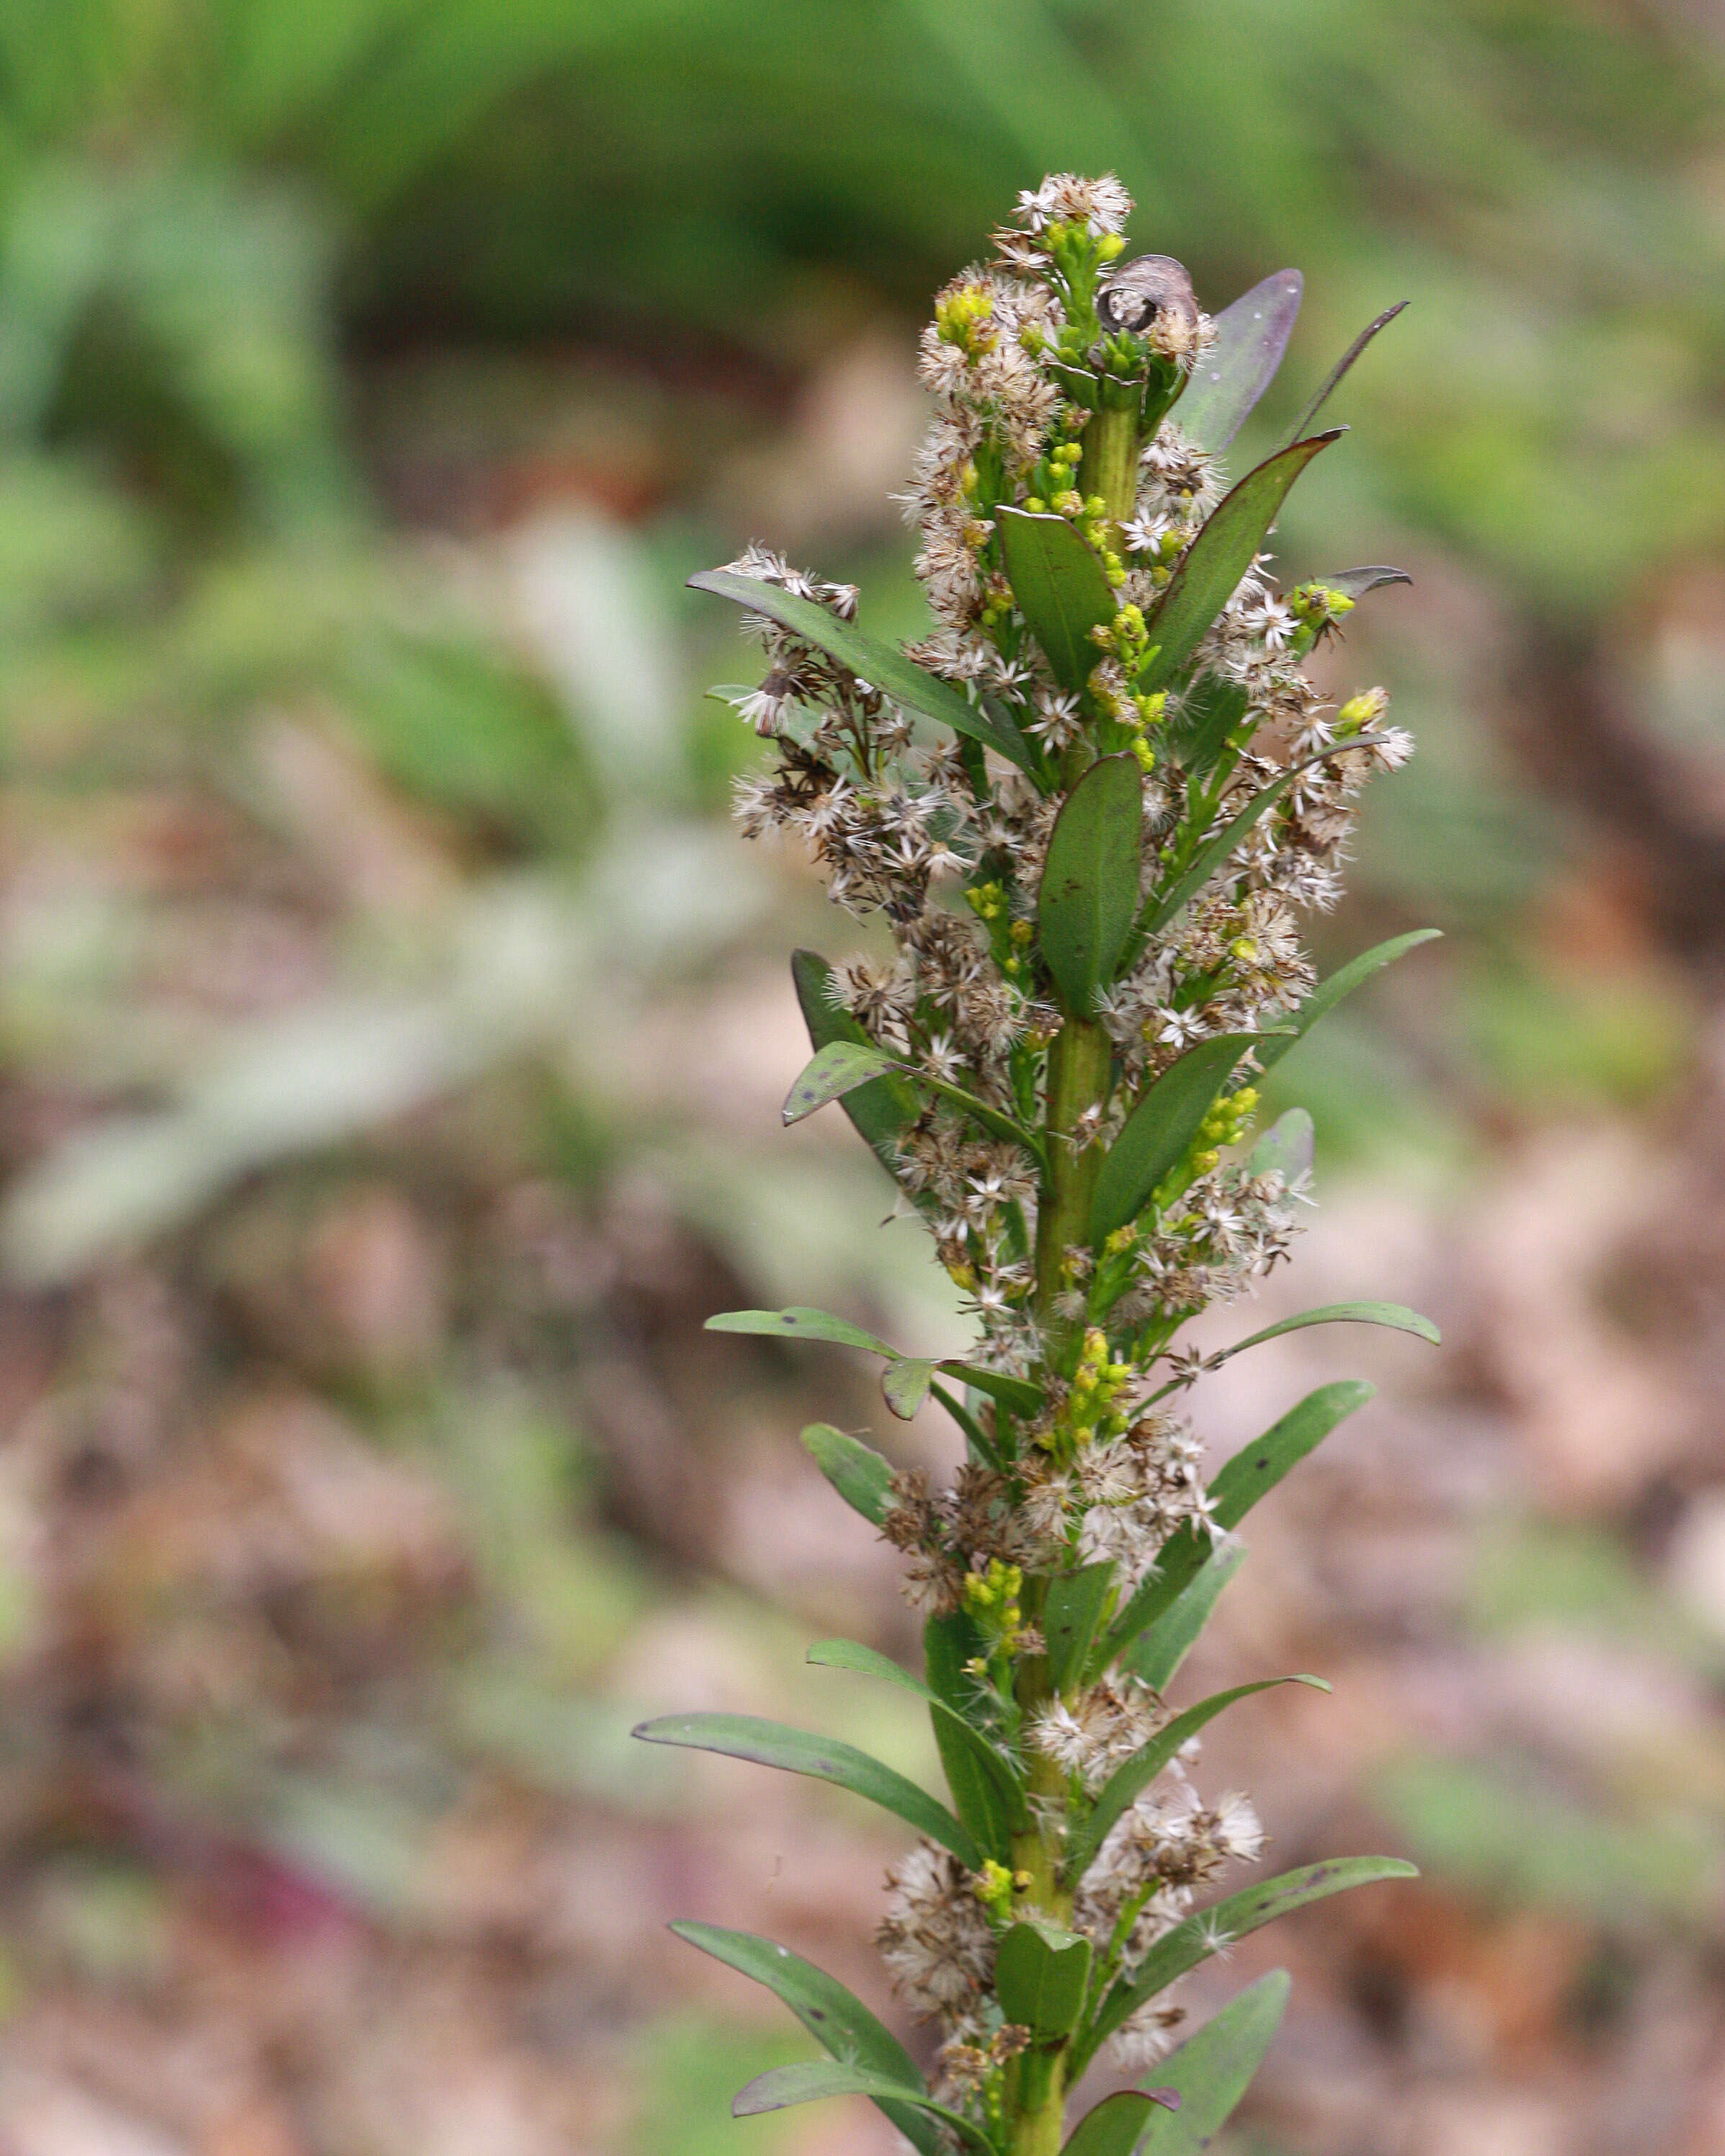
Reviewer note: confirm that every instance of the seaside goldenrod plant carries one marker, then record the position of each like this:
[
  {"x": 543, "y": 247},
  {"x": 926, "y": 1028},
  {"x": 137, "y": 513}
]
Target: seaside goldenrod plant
[{"x": 1092, "y": 807}]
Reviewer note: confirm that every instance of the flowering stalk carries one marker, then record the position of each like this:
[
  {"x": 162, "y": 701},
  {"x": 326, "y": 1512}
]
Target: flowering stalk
[{"x": 1091, "y": 806}]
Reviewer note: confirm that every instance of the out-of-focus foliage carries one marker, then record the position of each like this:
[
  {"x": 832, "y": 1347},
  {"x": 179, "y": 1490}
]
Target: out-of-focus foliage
[{"x": 361, "y": 900}]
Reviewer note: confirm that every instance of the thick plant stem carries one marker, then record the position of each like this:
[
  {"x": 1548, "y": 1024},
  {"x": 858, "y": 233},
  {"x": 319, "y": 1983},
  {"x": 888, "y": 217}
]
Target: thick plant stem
[
  {"x": 1078, "y": 1064},
  {"x": 1111, "y": 442}
]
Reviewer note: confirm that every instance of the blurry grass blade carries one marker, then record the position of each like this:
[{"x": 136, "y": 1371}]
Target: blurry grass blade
[
  {"x": 780, "y": 2088},
  {"x": 1342, "y": 983},
  {"x": 834, "y": 2016},
  {"x": 838, "y": 1069},
  {"x": 1212, "y": 1929},
  {"x": 824, "y": 1759},
  {"x": 1212, "y": 567},
  {"x": 1396, "y": 1316},
  {"x": 885, "y": 669},
  {"x": 1334, "y": 380},
  {"x": 1060, "y": 588},
  {"x": 1159, "y": 1131},
  {"x": 1088, "y": 896},
  {"x": 1157, "y": 1652},
  {"x": 1128, "y": 1782},
  {"x": 1228, "y": 380},
  {"x": 861, "y": 1477},
  {"x": 1254, "y": 1469},
  {"x": 1211, "y": 2072}
]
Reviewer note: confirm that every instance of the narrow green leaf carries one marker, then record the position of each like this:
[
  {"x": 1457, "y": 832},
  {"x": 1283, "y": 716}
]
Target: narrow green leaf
[
  {"x": 885, "y": 669},
  {"x": 1157, "y": 1652},
  {"x": 1355, "y": 583},
  {"x": 1060, "y": 589},
  {"x": 1212, "y": 567},
  {"x": 1112, "y": 2126},
  {"x": 785, "y": 2086},
  {"x": 861, "y": 1477},
  {"x": 885, "y": 1108},
  {"x": 1089, "y": 895},
  {"x": 1017, "y": 1395},
  {"x": 801, "y": 1752},
  {"x": 1333, "y": 380},
  {"x": 1041, "y": 1974},
  {"x": 1004, "y": 1813},
  {"x": 1253, "y": 1470},
  {"x": 834, "y": 2016},
  {"x": 905, "y": 1384},
  {"x": 1394, "y": 1314},
  {"x": 1128, "y": 1782},
  {"x": 990, "y": 1812},
  {"x": 838, "y": 1069},
  {"x": 1251, "y": 337},
  {"x": 1212, "y": 2070},
  {"x": 799, "y": 1322},
  {"x": 1325, "y": 997},
  {"x": 1213, "y": 855},
  {"x": 1074, "y": 1610},
  {"x": 1286, "y": 1148},
  {"x": 1208, "y": 713},
  {"x": 1160, "y": 1129},
  {"x": 1200, "y": 1935}
]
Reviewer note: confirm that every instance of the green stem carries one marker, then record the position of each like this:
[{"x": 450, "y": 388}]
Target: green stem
[{"x": 1078, "y": 1066}]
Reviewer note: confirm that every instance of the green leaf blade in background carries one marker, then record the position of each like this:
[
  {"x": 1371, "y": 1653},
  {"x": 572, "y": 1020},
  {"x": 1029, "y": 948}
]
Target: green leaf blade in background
[
  {"x": 834, "y": 1070},
  {"x": 908, "y": 684},
  {"x": 1394, "y": 1316},
  {"x": 860, "y": 1474},
  {"x": 782, "y": 2087},
  {"x": 884, "y": 1108},
  {"x": 1211, "y": 2072},
  {"x": 1228, "y": 380},
  {"x": 1330, "y": 992},
  {"x": 1287, "y": 1148},
  {"x": 798, "y": 1323},
  {"x": 1112, "y": 2126},
  {"x": 832, "y": 2015},
  {"x": 1060, "y": 589},
  {"x": 823, "y": 1759},
  {"x": 1160, "y": 1129},
  {"x": 1088, "y": 898},
  {"x": 1157, "y": 1652},
  {"x": 1076, "y": 1601},
  {"x": 1212, "y": 567}
]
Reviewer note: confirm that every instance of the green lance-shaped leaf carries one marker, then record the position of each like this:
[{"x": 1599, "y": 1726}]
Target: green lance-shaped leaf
[
  {"x": 1157, "y": 1652},
  {"x": 1003, "y": 1814},
  {"x": 1041, "y": 1974},
  {"x": 882, "y": 1110},
  {"x": 842, "y": 1066},
  {"x": 1112, "y": 2126},
  {"x": 785, "y": 2086},
  {"x": 801, "y": 1752},
  {"x": 1128, "y": 1782},
  {"x": 1212, "y": 567},
  {"x": 1089, "y": 895},
  {"x": 1208, "y": 713},
  {"x": 1325, "y": 997},
  {"x": 1252, "y": 1472},
  {"x": 1212, "y": 2070},
  {"x": 1162, "y": 907},
  {"x": 1076, "y": 1601},
  {"x": 799, "y": 1322},
  {"x": 861, "y": 1477},
  {"x": 1355, "y": 583},
  {"x": 1060, "y": 589},
  {"x": 883, "y": 668},
  {"x": 834, "y": 2016},
  {"x": 1227, "y": 382},
  {"x": 1334, "y": 379},
  {"x": 836, "y": 1070},
  {"x": 948, "y": 1643},
  {"x": 1160, "y": 1129},
  {"x": 1287, "y": 1148},
  {"x": 1212, "y": 1929},
  {"x": 1396, "y": 1316}
]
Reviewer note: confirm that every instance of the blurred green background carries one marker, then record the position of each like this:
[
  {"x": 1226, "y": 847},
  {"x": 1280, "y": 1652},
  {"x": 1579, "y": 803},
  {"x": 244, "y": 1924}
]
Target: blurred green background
[{"x": 393, "y": 1033}]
